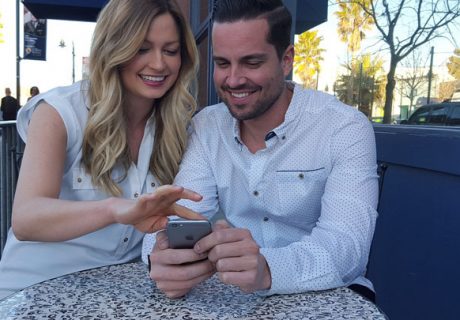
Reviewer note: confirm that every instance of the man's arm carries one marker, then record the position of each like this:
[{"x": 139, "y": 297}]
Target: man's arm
[
  {"x": 236, "y": 257},
  {"x": 336, "y": 251}
]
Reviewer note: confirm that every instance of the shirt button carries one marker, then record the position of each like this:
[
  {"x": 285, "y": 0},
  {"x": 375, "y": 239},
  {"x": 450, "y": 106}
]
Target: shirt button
[
  {"x": 153, "y": 184},
  {"x": 125, "y": 240},
  {"x": 265, "y": 218},
  {"x": 256, "y": 193},
  {"x": 283, "y": 137},
  {"x": 136, "y": 195},
  {"x": 79, "y": 180},
  {"x": 301, "y": 176}
]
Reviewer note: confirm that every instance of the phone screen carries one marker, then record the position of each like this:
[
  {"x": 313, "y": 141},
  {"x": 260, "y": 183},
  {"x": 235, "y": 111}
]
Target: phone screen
[{"x": 183, "y": 234}]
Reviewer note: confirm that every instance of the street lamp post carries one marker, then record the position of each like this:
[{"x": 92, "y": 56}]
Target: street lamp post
[{"x": 63, "y": 45}]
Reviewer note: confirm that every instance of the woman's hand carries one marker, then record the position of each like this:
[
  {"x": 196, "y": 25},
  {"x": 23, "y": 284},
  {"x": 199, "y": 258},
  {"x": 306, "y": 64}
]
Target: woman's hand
[{"x": 149, "y": 213}]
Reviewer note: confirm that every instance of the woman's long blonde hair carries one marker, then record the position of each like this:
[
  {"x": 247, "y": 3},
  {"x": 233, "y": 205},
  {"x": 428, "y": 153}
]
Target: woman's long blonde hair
[{"x": 119, "y": 34}]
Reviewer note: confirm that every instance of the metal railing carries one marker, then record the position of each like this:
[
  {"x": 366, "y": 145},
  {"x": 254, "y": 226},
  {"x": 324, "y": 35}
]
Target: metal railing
[{"x": 11, "y": 152}]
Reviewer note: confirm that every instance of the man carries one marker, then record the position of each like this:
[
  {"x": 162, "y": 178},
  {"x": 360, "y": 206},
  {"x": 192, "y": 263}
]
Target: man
[
  {"x": 9, "y": 106},
  {"x": 293, "y": 170},
  {"x": 35, "y": 27}
]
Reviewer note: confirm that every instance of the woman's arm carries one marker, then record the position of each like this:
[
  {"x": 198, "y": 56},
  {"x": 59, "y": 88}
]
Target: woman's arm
[{"x": 39, "y": 215}]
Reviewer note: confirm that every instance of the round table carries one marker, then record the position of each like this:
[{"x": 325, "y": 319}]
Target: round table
[{"x": 126, "y": 292}]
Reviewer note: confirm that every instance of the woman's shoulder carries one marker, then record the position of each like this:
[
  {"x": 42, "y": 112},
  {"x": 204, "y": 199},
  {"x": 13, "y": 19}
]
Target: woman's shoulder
[{"x": 70, "y": 102}]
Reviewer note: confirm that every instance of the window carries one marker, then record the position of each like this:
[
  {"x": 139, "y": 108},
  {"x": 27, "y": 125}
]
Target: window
[
  {"x": 454, "y": 119},
  {"x": 438, "y": 115},
  {"x": 420, "y": 116}
]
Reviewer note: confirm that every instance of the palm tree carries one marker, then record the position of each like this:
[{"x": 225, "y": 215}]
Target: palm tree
[
  {"x": 365, "y": 81},
  {"x": 353, "y": 23},
  {"x": 308, "y": 55}
]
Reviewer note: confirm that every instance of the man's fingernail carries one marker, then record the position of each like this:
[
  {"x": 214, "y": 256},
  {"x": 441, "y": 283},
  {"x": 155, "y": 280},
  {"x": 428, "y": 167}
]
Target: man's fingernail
[
  {"x": 197, "y": 248},
  {"x": 164, "y": 244}
]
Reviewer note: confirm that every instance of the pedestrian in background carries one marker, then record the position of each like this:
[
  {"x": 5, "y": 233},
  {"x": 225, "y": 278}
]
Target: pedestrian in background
[
  {"x": 9, "y": 106},
  {"x": 33, "y": 92}
]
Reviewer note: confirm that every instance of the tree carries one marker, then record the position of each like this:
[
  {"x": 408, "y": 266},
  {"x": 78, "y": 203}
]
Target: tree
[
  {"x": 1, "y": 29},
  {"x": 447, "y": 89},
  {"x": 353, "y": 22},
  {"x": 308, "y": 55},
  {"x": 405, "y": 26},
  {"x": 454, "y": 64},
  {"x": 363, "y": 85},
  {"x": 414, "y": 78}
]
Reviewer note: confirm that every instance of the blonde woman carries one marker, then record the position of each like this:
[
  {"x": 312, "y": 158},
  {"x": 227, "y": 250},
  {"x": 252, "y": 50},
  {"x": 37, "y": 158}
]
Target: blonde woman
[{"x": 101, "y": 154}]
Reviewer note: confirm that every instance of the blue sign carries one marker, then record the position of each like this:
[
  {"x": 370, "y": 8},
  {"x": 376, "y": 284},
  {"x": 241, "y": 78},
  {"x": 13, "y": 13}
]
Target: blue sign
[{"x": 34, "y": 38}]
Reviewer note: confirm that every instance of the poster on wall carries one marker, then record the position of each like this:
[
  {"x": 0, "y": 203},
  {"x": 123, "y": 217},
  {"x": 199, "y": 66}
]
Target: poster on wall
[{"x": 34, "y": 37}]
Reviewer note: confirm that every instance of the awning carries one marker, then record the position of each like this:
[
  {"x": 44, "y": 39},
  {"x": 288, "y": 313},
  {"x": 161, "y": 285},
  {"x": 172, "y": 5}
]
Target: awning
[
  {"x": 309, "y": 13},
  {"x": 79, "y": 10}
]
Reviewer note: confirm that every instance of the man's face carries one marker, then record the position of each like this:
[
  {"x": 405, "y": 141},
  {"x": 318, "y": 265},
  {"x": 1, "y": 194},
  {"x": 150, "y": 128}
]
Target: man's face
[{"x": 248, "y": 75}]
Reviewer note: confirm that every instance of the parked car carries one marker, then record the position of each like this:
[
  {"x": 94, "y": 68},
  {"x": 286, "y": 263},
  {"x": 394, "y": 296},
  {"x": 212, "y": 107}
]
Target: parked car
[
  {"x": 440, "y": 114},
  {"x": 455, "y": 97}
]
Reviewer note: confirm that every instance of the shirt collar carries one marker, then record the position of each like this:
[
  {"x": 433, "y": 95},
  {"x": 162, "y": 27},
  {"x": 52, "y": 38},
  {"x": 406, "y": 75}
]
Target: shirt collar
[{"x": 291, "y": 115}]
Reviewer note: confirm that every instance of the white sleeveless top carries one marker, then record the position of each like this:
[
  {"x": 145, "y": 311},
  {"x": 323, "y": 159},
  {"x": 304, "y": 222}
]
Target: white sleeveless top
[{"x": 24, "y": 263}]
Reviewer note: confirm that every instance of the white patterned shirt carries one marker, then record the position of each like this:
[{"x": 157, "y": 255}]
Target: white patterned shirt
[{"x": 309, "y": 198}]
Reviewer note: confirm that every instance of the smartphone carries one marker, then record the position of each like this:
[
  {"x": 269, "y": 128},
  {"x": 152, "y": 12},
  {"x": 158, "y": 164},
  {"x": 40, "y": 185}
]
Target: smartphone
[{"x": 183, "y": 234}]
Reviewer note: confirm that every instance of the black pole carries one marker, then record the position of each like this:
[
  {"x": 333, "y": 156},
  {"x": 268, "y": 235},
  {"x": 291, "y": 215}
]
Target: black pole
[
  {"x": 430, "y": 76},
  {"x": 73, "y": 62},
  {"x": 18, "y": 56}
]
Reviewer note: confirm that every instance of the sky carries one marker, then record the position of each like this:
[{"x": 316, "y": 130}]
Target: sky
[{"x": 57, "y": 70}]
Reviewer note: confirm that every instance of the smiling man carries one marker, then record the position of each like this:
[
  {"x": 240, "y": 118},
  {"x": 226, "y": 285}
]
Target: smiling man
[{"x": 294, "y": 171}]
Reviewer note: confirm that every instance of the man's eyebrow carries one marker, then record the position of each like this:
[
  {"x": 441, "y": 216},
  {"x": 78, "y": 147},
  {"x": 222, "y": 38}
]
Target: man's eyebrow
[{"x": 256, "y": 56}]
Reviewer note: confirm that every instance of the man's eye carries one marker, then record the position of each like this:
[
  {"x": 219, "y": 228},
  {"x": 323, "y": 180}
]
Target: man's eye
[
  {"x": 143, "y": 50},
  {"x": 254, "y": 64},
  {"x": 221, "y": 64}
]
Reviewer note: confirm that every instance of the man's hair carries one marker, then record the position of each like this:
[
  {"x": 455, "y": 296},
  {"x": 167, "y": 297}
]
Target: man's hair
[{"x": 278, "y": 17}]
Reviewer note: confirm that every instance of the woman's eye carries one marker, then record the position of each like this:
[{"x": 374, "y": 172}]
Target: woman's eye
[
  {"x": 172, "y": 52},
  {"x": 143, "y": 50}
]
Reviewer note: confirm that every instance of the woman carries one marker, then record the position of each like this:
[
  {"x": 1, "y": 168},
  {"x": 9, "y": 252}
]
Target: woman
[
  {"x": 33, "y": 92},
  {"x": 97, "y": 151}
]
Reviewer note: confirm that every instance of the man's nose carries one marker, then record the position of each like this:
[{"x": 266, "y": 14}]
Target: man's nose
[{"x": 235, "y": 77}]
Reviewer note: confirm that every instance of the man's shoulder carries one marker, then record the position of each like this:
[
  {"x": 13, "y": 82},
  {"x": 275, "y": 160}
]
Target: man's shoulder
[
  {"x": 322, "y": 102},
  {"x": 216, "y": 113}
]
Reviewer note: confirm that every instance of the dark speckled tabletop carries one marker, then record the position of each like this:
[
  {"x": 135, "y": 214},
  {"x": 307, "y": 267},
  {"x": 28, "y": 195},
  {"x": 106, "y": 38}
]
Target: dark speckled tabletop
[{"x": 126, "y": 292}]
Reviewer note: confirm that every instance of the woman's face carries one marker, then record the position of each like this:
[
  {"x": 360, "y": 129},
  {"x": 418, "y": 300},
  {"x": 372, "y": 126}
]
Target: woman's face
[{"x": 155, "y": 68}]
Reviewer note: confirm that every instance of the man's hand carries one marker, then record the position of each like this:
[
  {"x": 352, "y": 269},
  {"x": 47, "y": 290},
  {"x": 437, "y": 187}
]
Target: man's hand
[
  {"x": 236, "y": 257},
  {"x": 177, "y": 271}
]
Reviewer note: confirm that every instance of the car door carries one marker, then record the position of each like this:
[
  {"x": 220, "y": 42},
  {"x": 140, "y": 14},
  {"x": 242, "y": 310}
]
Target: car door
[
  {"x": 438, "y": 114},
  {"x": 454, "y": 117}
]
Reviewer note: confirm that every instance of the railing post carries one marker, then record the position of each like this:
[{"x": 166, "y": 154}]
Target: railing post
[{"x": 10, "y": 154}]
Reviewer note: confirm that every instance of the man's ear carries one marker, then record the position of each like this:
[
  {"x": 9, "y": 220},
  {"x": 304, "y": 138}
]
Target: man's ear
[{"x": 287, "y": 59}]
